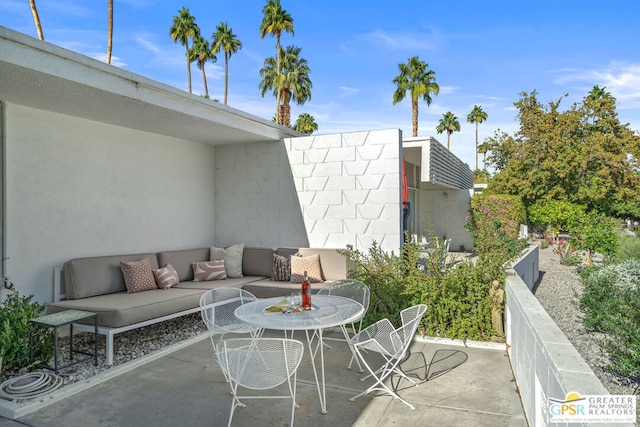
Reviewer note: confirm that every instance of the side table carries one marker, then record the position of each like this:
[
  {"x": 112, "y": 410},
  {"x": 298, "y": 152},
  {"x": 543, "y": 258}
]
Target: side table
[{"x": 63, "y": 318}]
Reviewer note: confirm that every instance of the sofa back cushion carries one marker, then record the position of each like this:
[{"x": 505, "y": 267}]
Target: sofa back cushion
[
  {"x": 181, "y": 260},
  {"x": 257, "y": 261},
  {"x": 333, "y": 264},
  {"x": 87, "y": 277}
]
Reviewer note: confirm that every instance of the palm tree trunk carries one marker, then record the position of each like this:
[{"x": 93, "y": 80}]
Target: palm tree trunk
[
  {"x": 204, "y": 77},
  {"x": 109, "y": 31},
  {"x": 448, "y": 140},
  {"x": 476, "y": 147},
  {"x": 226, "y": 76},
  {"x": 414, "y": 116},
  {"x": 186, "y": 46},
  {"x": 286, "y": 108},
  {"x": 277, "y": 77},
  {"x": 36, "y": 19}
]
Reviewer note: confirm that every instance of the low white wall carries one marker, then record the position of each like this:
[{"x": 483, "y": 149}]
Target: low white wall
[
  {"x": 545, "y": 364},
  {"x": 80, "y": 188}
]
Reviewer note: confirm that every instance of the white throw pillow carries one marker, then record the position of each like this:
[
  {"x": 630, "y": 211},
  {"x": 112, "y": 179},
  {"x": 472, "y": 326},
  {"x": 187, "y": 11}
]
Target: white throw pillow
[{"x": 232, "y": 257}]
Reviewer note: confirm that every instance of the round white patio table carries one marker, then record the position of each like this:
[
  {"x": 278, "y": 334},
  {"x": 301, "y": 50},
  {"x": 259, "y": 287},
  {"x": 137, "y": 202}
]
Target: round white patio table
[{"x": 327, "y": 311}]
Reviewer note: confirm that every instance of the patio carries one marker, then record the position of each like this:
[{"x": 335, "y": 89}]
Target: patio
[{"x": 470, "y": 386}]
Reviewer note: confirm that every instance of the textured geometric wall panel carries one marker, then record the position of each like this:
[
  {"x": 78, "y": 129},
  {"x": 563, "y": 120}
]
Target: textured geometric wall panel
[
  {"x": 318, "y": 191},
  {"x": 359, "y": 202}
]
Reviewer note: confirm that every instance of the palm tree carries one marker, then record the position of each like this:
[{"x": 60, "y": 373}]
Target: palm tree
[
  {"x": 416, "y": 78},
  {"x": 275, "y": 21},
  {"x": 598, "y": 93},
  {"x": 478, "y": 116},
  {"x": 36, "y": 18},
  {"x": 305, "y": 124},
  {"x": 200, "y": 53},
  {"x": 292, "y": 82},
  {"x": 224, "y": 39},
  {"x": 484, "y": 149},
  {"x": 182, "y": 29},
  {"x": 109, "y": 30},
  {"x": 449, "y": 123}
]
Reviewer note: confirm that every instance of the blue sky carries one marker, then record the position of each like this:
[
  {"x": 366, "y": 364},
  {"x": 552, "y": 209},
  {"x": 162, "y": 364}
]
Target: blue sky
[{"x": 483, "y": 53}]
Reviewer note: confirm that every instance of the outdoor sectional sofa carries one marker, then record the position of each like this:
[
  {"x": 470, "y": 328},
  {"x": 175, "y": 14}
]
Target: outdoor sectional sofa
[{"x": 97, "y": 284}]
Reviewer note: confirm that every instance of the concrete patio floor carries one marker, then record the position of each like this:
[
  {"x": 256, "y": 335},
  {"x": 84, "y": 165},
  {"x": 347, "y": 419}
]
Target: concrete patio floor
[{"x": 470, "y": 386}]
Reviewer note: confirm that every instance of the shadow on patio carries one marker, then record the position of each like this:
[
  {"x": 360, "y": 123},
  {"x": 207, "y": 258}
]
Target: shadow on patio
[{"x": 463, "y": 386}]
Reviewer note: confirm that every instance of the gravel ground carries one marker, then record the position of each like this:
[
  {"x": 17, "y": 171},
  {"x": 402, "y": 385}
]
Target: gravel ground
[
  {"x": 127, "y": 345},
  {"x": 558, "y": 291}
]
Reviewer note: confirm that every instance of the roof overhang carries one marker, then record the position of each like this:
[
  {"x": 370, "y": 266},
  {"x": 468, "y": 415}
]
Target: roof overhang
[
  {"x": 40, "y": 75},
  {"x": 439, "y": 168}
]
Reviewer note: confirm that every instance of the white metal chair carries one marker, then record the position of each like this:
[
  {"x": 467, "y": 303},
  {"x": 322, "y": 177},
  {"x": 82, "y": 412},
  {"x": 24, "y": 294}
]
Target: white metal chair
[
  {"x": 392, "y": 344},
  {"x": 357, "y": 291},
  {"x": 217, "y": 308},
  {"x": 260, "y": 364}
]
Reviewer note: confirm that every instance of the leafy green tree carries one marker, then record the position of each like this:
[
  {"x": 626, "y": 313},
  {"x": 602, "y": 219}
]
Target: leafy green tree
[
  {"x": 594, "y": 232},
  {"x": 305, "y": 124},
  {"x": 448, "y": 123},
  {"x": 182, "y": 29},
  {"x": 583, "y": 155},
  {"x": 554, "y": 215},
  {"x": 224, "y": 39},
  {"x": 477, "y": 116},
  {"x": 274, "y": 22},
  {"x": 201, "y": 53},
  {"x": 416, "y": 78}
]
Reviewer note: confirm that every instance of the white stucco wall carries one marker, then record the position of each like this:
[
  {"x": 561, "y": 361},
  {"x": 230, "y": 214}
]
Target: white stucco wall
[
  {"x": 256, "y": 201},
  {"x": 80, "y": 188},
  {"x": 319, "y": 191},
  {"x": 447, "y": 215}
]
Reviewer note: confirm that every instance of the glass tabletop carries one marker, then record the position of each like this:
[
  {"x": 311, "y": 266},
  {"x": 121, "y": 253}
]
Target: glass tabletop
[
  {"x": 62, "y": 317},
  {"x": 328, "y": 311}
]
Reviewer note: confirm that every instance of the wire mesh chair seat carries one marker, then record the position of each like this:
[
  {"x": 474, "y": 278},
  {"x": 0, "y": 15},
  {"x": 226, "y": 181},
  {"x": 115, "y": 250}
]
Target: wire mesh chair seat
[
  {"x": 260, "y": 364},
  {"x": 357, "y": 291},
  {"x": 392, "y": 344},
  {"x": 217, "y": 307}
]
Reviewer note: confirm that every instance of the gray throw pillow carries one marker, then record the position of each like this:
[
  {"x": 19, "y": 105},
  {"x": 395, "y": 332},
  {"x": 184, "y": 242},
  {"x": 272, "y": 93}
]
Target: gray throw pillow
[{"x": 232, "y": 257}]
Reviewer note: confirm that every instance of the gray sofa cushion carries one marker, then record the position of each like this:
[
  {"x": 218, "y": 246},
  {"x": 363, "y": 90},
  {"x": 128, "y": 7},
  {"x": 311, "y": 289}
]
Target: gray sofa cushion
[
  {"x": 234, "y": 282},
  {"x": 121, "y": 309},
  {"x": 181, "y": 260},
  {"x": 257, "y": 261},
  {"x": 87, "y": 277}
]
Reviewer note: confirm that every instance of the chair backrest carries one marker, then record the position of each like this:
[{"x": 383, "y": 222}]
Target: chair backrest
[
  {"x": 411, "y": 318},
  {"x": 217, "y": 306},
  {"x": 261, "y": 363},
  {"x": 349, "y": 288}
]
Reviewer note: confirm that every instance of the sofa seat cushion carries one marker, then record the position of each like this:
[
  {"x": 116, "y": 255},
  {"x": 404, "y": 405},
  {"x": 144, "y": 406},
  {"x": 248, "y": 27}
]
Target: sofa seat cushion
[
  {"x": 234, "y": 282},
  {"x": 122, "y": 309},
  {"x": 268, "y": 288}
]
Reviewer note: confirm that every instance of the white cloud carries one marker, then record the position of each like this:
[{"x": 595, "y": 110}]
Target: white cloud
[
  {"x": 621, "y": 80},
  {"x": 348, "y": 91},
  {"x": 115, "y": 61},
  {"x": 402, "y": 40},
  {"x": 147, "y": 44}
]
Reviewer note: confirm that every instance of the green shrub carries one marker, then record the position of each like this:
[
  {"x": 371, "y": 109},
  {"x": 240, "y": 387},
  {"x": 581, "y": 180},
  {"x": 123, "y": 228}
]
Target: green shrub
[
  {"x": 457, "y": 296},
  {"x": 553, "y": 215},
  {"x": 611, "y": 304},
  {"x": 628, "y": 249},
  {"x": 14, "y": 334}
]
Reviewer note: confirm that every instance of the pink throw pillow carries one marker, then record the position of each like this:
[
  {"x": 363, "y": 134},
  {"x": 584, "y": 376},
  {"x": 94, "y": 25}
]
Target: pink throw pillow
[
  {"x": 138, "y": 276},
  {"x": 208, "y": 270},
  {"x": 166, "y": 276}
]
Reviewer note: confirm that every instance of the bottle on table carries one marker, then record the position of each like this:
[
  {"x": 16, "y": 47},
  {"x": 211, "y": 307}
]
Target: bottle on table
[{"x": 306, "y": 293}]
